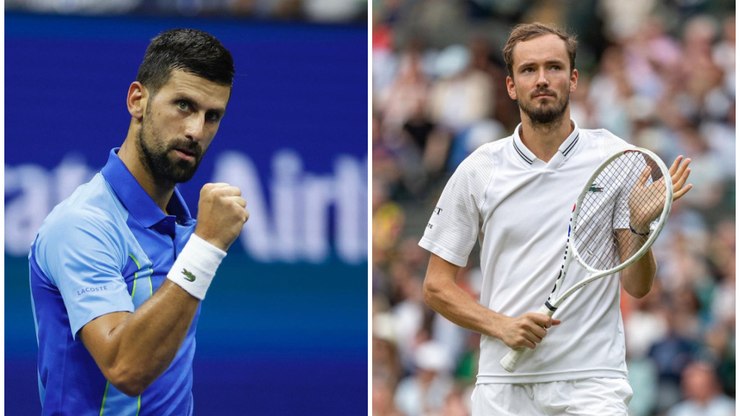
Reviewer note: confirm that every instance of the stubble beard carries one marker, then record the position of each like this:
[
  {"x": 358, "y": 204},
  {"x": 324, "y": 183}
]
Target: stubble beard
[
  {"x": 547, "y": 116},
  {"x": 154, "y": 156}
]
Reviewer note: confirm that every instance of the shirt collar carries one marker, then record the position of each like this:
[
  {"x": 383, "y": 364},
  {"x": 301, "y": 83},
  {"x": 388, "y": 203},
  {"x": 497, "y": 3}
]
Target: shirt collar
[
  {"x": 565, "y": 148},
  {"x": 138, "y": 203}
]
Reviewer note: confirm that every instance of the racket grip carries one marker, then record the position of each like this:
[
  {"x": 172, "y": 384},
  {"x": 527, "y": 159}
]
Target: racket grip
[{"x": 511, "y": 360}]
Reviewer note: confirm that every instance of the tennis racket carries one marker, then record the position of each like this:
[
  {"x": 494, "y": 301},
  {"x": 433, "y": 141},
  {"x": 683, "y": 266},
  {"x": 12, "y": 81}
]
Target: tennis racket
[{"x": 616, "y": 218}]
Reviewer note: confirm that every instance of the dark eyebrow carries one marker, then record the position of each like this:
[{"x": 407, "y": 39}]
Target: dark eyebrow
[
  {"x": 184, "y": 98},
  {"x": 219, "y": 111},
  {"x": 527, "y": 64}
]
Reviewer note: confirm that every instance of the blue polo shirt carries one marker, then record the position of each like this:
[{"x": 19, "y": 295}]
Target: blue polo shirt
[{"x": 107, "y": 248}]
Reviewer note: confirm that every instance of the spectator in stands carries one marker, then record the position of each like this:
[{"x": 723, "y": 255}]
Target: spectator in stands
[{"x": 702, "y": 393}]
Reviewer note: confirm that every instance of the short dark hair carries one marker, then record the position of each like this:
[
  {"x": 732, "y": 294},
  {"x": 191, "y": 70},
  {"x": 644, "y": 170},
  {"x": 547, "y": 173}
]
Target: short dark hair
[
  {"x": 526, "y": 31},
  {"x": 190, "y": 50}
]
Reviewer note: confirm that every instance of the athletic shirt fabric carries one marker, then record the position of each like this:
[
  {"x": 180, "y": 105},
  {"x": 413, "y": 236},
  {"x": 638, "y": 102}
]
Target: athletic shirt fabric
[
  {"x": 519, "y": 207},
  {"x": 107, "y": 248}
]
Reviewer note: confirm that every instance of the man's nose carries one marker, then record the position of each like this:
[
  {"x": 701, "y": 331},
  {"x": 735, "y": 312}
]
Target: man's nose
[
  {"x": 542, "y": 79},
  {"x": 194, "y": 127}
]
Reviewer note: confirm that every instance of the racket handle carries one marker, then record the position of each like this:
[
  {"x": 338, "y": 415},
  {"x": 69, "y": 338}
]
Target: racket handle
[{"x": 511, "y": 359}]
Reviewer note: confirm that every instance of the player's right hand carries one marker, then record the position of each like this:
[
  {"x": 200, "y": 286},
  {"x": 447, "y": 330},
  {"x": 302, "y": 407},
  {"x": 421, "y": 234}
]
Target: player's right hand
[
  {"x": 221, "y": 214},
  {"x": 526, "y": 331}
]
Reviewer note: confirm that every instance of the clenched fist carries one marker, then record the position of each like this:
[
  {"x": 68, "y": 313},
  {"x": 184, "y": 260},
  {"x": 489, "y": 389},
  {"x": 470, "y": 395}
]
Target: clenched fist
[{"x": 221, "y": 214}]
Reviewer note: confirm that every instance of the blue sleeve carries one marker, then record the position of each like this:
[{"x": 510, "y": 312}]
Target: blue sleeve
[{"x": 83, "y": 256}]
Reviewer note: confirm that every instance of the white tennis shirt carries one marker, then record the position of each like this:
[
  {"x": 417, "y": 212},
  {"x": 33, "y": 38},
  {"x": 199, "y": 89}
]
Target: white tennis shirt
[{"x": 519, "y": 208}]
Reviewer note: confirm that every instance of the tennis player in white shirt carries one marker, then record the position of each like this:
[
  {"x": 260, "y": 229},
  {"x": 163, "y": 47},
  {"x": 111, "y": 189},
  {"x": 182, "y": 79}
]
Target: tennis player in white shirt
[{"x": 515, "y": 195}]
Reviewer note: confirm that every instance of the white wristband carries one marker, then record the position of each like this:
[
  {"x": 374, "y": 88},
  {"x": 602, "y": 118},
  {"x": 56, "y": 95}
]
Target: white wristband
[{"x": 196, "y": 266}]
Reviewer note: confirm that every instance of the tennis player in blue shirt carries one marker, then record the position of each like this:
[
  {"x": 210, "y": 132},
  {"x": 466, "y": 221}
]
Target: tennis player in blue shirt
[{"x": 118, "y": 270}]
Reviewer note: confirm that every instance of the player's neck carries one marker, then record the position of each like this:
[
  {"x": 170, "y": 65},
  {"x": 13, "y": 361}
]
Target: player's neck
[{"x": 544, "y": 140}]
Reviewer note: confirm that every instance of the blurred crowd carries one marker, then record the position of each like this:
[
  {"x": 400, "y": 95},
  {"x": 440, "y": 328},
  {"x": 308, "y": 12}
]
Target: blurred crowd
[
  {"x": 319, "y": 11},
  {"x": 660, "y": 74}
]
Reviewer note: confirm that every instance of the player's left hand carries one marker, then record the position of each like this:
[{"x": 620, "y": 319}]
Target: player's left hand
[
  {"x": 646, "y": 201},
  {"x": 680, "y": 171}
]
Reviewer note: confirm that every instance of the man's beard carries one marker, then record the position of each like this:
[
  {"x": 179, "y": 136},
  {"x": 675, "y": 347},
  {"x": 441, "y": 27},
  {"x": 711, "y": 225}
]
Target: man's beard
[
  {"x": 155, "y": 159},
  {"x": 547, "y": 115}
]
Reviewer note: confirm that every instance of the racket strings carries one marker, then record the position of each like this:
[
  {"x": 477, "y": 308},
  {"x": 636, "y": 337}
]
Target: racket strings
[{"x": 628, "y": 192}]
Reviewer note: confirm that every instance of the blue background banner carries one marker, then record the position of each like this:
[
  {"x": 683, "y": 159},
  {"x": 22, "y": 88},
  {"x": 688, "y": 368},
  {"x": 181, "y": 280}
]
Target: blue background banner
[{"x": 284, "y": 328}]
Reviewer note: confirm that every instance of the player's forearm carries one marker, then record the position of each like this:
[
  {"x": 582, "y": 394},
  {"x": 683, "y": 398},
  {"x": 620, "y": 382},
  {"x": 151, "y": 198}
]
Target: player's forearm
[
  {"x": 637, "y": 279},
  {"x": 452, "y": 302},
  {"x": 142, "y": 346}
]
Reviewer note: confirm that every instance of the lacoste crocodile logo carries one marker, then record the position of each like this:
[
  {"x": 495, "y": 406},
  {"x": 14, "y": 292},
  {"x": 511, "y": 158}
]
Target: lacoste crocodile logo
[
  {"x": 188, "y": 276},
  {"x": 595, "y": 188}
]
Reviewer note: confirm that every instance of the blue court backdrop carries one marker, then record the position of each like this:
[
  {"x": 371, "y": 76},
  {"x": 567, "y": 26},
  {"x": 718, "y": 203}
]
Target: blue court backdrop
[{"x": 283, "y": 330}]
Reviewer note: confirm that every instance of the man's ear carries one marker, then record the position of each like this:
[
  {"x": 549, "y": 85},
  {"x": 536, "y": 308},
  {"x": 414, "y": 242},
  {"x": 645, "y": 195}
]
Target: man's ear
[
  {"x": 573, "y": 80},
  {"x": 137, "y": 99},
  {"x": 510, "y": 87}
]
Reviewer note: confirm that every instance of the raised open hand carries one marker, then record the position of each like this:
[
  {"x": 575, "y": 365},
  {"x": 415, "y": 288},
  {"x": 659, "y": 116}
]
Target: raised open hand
[{"x": 646, "y": 200}]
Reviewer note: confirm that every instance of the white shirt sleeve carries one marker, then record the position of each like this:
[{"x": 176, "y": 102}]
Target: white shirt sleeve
[{"x": 455, "y": 222}]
